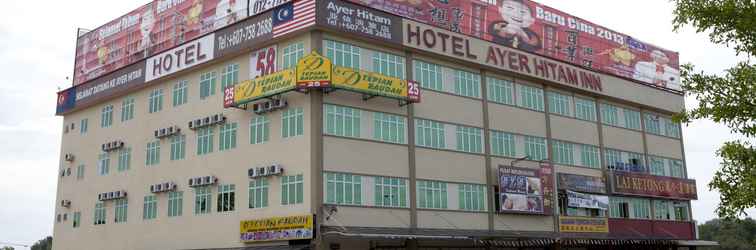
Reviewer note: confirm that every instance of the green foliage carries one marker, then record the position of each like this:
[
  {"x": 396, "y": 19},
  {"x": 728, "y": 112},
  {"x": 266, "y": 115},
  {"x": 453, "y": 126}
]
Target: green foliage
[
  {"x": 729, "y": 99},
  {"x": 43, "y": 244},
  {"x": 731, "y": 234},
  {"x": 7, "y": 248}
]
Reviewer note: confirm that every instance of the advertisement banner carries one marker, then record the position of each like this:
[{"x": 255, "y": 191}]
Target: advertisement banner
[
  {"x": 248, "y": 33},
  {"x": 314, "y": 71},
  {"x": 262, "y": 62},
  {"x": 653, "y": 186},
  {"x": 359, "y": 20},
  {"x": 261, "y": 87},
  {"x": 277, "y": 228},
  {"x": 122, "y": 80},
  {"x": 525, "y": 190},
  {"x": 568, "y": 224},
  {"x": 529, "y": 26},
  {"x": 582, "y": 183},
  {"x": 260, "y": 6},
  {"x": 575, "y": 199},
  {"x": 372, "y": 83}
]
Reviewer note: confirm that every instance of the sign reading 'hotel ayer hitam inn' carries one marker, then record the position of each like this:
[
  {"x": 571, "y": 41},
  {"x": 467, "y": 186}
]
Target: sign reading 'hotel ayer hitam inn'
[{"x": 428, "y": 38}]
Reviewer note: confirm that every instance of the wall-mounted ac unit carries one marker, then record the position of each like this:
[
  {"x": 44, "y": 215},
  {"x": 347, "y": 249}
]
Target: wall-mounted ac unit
[
  {"x": 202, "y": 181},
  {"x": 269, "y": 106},
  {"x": 65, "y": 203},
  {"x": 165, "y": 186},
  {"x": 169, "y": 131},
  {"x": 111, "y": 195},
  {"x": 69, "y": 157},
  {"x": 274, "y": 169},
  {"x": 113, "y": 145}
]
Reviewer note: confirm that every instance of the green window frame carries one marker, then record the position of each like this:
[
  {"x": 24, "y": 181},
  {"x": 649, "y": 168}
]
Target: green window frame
[
  {"x": 175, "y": 203},
  {"x": 429, "y": 75},
  {"x": 292, "y": 189},
  {"x": 178, "y": 147},
  {"x": 229, "y": 75},
  {"x": 226, "y": 197},
  {"x": 207, "y": 84},
  {"x": 292, "y": 53},
  {"x": 632, "y": 119},
  {"x": 342, "y": 121},
  {"x": 466, "y": 83},
  {"x": 503, "y": 144},
  {"x": 343, "y": 189},
  {"x": 80, "y": 172},
  {"x": 227, "y": 136},
  {"x": 559, "y": 103},
  {"x": 121, "y": 210},
  {"x": 626, "y": 207},
  {"x": 535, "y": 148},
  {"x": 100, "y": 214},
  {"x": 180, "y": 93},
  {"x": 652, "y": 124},
  {"x": 612, "y": 156},
  {"x": 150, "y": 207},
  {"x": 152, "y": 153},
  {"x": 106, "y": 116},
  {"x": 661, "y": 210},
  {"x": 472, "y": 197},
  {"x": 342, "y": 54},
  {"x": 429, "y": 134},
  {"x": 103, "y": 164},
  {"x": 292, "y": 122},
  {"x": 124, "y": 159},
  {"x": 656, "y": 166},
  {"x": 585, "y": 109},
  {"x": 531, "y": 97},
  {"x": 609, "y": 114},
  {"x": 203, "y": 200},
  {"x": 500, "y": 91},
  {"x": 676, "y": 168},
  {"x": 389, "y": 127},
  {"x": 390, "y": 192},
  {"x": 589, "y": 156},
  {"x": 259, "y": 130},
  {"x": 388, "y": 64},
  {"x": 156, "y": 101},
  {"x": 127, "y": 109},
  {"x": 639, "y": 156},
  {"x": 671, "y": 129},
  {"x": 84, "y": 125},
  {"x": 563, "y": 152},
  {"x": 258, "y": 192},
  {"x": 205, "y": 140},
  {"x": 76, "y": 219},
  {"x": 469, "y": 139},
  {"x": 432, "y": 194}
]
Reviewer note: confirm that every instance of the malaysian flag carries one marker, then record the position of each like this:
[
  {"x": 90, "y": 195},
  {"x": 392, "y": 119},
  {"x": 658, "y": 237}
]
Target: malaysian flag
[{"x": 294, "y": 16}]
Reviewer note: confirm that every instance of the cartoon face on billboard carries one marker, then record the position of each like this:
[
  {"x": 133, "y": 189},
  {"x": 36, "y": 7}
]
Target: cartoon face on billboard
[
  {"x": 514, "y": 27},
  {"x": 146, "y": 26}
]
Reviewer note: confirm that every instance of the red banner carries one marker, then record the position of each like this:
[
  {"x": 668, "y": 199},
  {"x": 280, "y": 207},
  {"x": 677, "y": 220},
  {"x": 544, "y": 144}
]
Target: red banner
[
  {"x": 148, "y": 30},
  {"x": 533, "y": 27},
  {"x": 654, "y": 186}
]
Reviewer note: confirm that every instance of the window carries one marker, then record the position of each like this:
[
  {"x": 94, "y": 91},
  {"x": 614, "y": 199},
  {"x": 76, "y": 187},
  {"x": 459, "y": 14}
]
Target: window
[
  {"x": 390, "y": 192},
  {"x": 76, "y": 219},
  {"x": 203, "y": 197},
  {"x": 343, "y": 189},
  {"x": 205, "y": 140},
  {"x": 99, "y": 213},
  {"x": 500, "y": 91},
  {"x": 609, "y": 114},
  {"x": 535, "y": 148},
  {"x": 83, "y": 125},
  {"x": 342, "y": 121},
  {"x": 226, "y": 197},
  {"x": 258, "y": 193},
  {"x": 150, "y": 207},
  {"x": 292, "y": 54},
  {"x": 631, "y": 157},
  {"x": 178, "y": 147},
  {"x": 559, "y": 103},
  {"x": 103, "y": 164},
  {"x": 662, "y": 211},
  {"x": 429, "y": 134},
  {"x": 180, "y": 93},
  {"x": 589, "y": 156},
  {"x": 632, "y": 119},
  {"x": 502, "y": 144},
  {"x": 229, "y": 75},
  {"x": 388, "y": 127},
  {"x": 259, "y": 130},
  {"x": 431, "y": 194},
  {"x": 175, "y": 203},
  {"x": 633, "y": 208},
  {"x": 156, "y": 100},
  {"x": 292, "y": 122},
  {"x": 207, "y": 84},
  {"x": 152, "y": 153},
  {"x": 563, "y": 152},
  {"x": 121, "y": 210},
  {"x": 292, "y": 189},
  {"x": 656, "y": 166},
  {"x": 343, "y": 54},
  {"x": 676, "y": 168},
  {"x": 106, "y": 116},
  {"x": 671, "y": 128},
  {"x": 429, "y": 75},
  {"x": 388, "y": 64},
  {"x": 228, "y": 136},
  {"x": 469, "y": 139},
  {"x": 531, "y": 97},
  {"x": 652, "y": 124},
  {"x": 124, "y": 159},
  {"x": 466, "y": 83},
  {"x": 681, "y": 211},
  {"x": 613, "y": 157},
  {"x": 472, "y": 197},
  {"x": 585, "y": 109},
  {"x": 127, "y": 109}
]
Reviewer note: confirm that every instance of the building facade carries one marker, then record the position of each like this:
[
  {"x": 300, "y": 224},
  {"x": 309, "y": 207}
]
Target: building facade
[{"x": 505, "y": 148}]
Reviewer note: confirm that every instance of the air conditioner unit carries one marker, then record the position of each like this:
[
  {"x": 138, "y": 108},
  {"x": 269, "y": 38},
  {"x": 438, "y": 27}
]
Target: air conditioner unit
[
  {"x": 69, "y": 157},
  {"x": 275, "y": 169},
  {"x": 258, "y": 108},
  {"x": 191, "y": 125},
  {"x": 206, "y": 121},
  {"x": 191, "y": 182},
  {"x": 105, "y": 147},
  {"x": 262, "y": 171},
  {"x": 68, "y": 171},
  {"x": 65, "y": 203},
  {"x": 163, "y": 132},
  {"x": 171, "y": 130},
  {"x": 251, "y": 172},
  {"x": 99, "y": 197},
  {"x": 119, "y": 144},
  {"x": 207, "y": 180},
  {"x": 157, "y": 133}
]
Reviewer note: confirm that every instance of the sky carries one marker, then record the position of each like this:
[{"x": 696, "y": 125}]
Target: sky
[{"x": 36, "y": 57}]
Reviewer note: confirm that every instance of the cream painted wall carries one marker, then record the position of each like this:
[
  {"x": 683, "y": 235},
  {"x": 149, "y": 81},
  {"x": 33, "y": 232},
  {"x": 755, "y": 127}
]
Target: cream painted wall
[{"x": 664, "y": 146}]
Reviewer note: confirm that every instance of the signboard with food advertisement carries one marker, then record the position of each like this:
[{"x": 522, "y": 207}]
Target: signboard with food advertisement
[
  {"x": 372, "y": 83},
  {"x": 653, "y": 186},
  {"x": 529, "y": 26},
  {"x": 526, "y": 190},
  {"x": 359, "y": 20},
  {"x": 258, "y": 88},
  {"x": 314, "y": 71},
  {"x": 571, "y": 224},
  {"x": 277, "y": 228},
  {"x": 582, "y": 183},
  {"x": 575, "y": 199}
]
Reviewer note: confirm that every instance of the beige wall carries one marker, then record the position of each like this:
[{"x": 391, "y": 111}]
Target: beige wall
[
  {"x": 516, "y": 120},
  {"x": 623, "y": 139},
  {"x": 664, "y": 146},
  {"x": 449, "y": 108},
  {"x": 451, "y": 220},
  {"x": 450, "y": 166},
  {"x": 365, "y": 157},
  {"x": 574, "y": 130}
]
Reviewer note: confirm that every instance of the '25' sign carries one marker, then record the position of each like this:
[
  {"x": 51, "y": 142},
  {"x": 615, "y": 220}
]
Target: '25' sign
[{"x": 262, "y": 62}]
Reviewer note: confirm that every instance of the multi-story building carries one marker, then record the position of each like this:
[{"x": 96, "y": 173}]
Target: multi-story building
[{"x": 210, "y": 129}]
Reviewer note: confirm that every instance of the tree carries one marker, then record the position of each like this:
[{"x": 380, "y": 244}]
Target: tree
[
  {"x": 43, "y": 244},
  {"x": 730, "y": 98},
  {"x": 7, "y": 248},
  {"x": 731, "y": 234}
]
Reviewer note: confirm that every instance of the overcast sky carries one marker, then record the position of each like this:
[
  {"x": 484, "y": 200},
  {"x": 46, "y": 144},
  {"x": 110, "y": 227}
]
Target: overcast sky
[{"x": 36, "y": 56}]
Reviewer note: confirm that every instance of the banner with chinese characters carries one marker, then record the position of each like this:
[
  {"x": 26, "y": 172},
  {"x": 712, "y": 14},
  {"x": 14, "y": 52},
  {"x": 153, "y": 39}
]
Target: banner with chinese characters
[
  {"x": 258, "y": 88},
  {"x": 568, "y": 224},
  {"x": 372, "y": 83},
  {"x": 359, "y": 20},
  {"x": 277, "y": 228},
  {"x": 526, "y": 190},
  {"x": 654, "y": 186}
]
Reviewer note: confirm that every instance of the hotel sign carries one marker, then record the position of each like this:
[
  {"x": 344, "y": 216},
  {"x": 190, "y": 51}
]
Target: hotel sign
[
  {"x": 180, "y": 58},
  {"x": 654, "y": 186},
  {"x": 569, "y": 224},
  {"x": 277, "y": 228}
]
